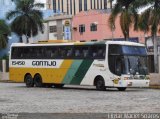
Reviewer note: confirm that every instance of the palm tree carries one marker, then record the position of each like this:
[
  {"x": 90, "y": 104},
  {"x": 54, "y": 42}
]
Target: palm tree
[
  {"x": 151, "y": 21},
  {"x": 27, "y": 19},
  {"x": 128, "y": 15},
  {"x": 4, "y": 33}
]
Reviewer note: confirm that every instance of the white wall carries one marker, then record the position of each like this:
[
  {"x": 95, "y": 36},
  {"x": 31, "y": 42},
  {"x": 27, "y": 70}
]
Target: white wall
[
  {"x": 52, "y": 36},
  {"x": 40, "y": 36}
]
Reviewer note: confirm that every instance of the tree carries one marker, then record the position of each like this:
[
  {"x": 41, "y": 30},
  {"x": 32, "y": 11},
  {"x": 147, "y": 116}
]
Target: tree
[
  {"x": 4, "y": 33},
  {"x": 150, "y": 20},
  {"x": 27, "y": 19},
  {"x": 128, "y": 15}
]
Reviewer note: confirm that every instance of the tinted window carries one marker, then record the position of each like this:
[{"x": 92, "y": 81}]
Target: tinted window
[
  {"x": 134, "y": 50},
  {"x": 126, "y": 50},
  {"x": 59, "y": 52},
  {"x": 115, "y": 50}
]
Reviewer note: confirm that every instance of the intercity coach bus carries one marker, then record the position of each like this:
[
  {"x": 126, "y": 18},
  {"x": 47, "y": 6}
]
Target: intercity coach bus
[{"x": 104, "y": 64}]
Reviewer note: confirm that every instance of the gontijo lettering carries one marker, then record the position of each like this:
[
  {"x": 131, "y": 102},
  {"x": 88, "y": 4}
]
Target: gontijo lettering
[{"x": 44, "y": 63}]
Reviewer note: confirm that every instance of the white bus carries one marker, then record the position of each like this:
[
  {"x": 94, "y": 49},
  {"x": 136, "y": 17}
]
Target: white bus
[{"x": 118, "y": 64}]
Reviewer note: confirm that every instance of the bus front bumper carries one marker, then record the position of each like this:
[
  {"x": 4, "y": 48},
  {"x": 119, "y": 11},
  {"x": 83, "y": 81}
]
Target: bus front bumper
[{"x": 131, "y": 83}]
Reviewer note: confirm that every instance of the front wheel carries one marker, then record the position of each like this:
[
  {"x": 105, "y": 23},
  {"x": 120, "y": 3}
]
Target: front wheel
[
  {"x": 100, "y": 84},
  {"x": 29, "y": 81},
  {"x": 121, "y": 88}
]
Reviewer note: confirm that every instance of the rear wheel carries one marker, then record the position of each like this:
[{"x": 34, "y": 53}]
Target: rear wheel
[
  {"x": 100, "y": 84},
  {"x": 29, "y": 81},
  {"x": 38, "y": 80},
  {"x": 121, "y": 88},
  {"x": 58, "y": 85}
]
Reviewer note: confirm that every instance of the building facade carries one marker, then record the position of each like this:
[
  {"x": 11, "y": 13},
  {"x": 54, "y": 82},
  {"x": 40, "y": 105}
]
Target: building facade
[
  {"x": 59, "y": 27},
  {"x": 56, "y": 27},
  {"x": 73, "y": 7},
  {"x": 93, "y": 25}
]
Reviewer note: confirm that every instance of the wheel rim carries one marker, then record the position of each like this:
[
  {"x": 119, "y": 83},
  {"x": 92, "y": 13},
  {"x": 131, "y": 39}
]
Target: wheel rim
[
  {"x": 29, "y": 81},
  {"x": 38, "y": 81},
  {"x": 100, "y": 84}
]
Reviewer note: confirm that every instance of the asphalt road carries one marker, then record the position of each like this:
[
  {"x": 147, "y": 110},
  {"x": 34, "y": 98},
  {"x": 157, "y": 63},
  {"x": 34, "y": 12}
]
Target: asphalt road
[{"x": 16, "y": 98}]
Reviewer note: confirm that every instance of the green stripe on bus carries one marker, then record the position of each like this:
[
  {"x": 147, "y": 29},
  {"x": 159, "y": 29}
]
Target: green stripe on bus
[
  {"x": 81, "y": 72},
  {"x": 72, "y": 71}
]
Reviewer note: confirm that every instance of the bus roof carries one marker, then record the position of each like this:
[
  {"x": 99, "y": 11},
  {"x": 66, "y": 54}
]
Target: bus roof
[{"x": 64, "y": 42}]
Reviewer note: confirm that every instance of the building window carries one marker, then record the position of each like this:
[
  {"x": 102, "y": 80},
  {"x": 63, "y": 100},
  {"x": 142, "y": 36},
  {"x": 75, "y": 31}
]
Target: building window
[
  {"x": 97, "y": 4},
  {"x": 62, "y": 5},
  {"x": 85, "y": 5},
  {"x": 93, "y": 27},
  {"x": 81, "y": 28},
  {"x": 54, "y": 5},
  {"x": 67, "y": 7},
  {"x": 105, "y": 4},
  {"x": 58, "y": 5},
  {"x": 101, "y": 4},
  {"x": 80, "y": 5},
  {"x": 52, "y": 29},
  {"x": 74, "y": 7},
  {"x": 71, "y": 6},
  {"x": 91, "y": 3},
  {"x": 94, "y": 4}
]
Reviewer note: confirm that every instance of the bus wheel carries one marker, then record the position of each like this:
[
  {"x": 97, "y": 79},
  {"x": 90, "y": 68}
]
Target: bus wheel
[
  {"x": 58, "y": 85},
  {"x": 100, "y": 84},
  {"x": 121, "y": 88},
  {"x": 38, "y": 80},
  {"x": 29, "y": 81}
]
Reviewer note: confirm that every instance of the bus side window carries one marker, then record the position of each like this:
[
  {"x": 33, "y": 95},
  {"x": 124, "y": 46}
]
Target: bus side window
[
  {"x": 69, "y": 52},
  {"x": 85, "y": 53},
  {"x": 100, "y": 52},
  {"x": 77, "y": 53},
  {"x": 48, "y": 53},
  {"x": 62, "y": 52}
]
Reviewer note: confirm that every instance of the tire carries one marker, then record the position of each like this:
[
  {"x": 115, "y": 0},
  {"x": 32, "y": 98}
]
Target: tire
[
  {"x": 100, "y": 84},
  {"x": 29, "y": 81},
  {"x": 38, "y": 81},
  {"x": 58, "y": 85},
  {"x": 121, "y": 88}
]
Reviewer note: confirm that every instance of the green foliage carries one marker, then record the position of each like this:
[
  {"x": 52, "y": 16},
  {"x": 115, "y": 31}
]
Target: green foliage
[
  {"x": 6, "y": 57},
  {"x": 150, "y": 18},
  {"x": 27, "y": 19},
  {"x": 127, "y": 9},
  {"x": 4, "y": 33}
]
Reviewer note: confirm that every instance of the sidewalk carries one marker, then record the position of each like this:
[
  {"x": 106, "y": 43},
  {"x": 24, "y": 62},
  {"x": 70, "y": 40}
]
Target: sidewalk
[
  {"x": 155, "y": 80},
  {"x": 4, "y": 76}
]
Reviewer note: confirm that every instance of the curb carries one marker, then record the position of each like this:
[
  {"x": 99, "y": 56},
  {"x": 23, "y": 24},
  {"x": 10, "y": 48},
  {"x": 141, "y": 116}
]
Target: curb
[{"x": 154, "y": 87}]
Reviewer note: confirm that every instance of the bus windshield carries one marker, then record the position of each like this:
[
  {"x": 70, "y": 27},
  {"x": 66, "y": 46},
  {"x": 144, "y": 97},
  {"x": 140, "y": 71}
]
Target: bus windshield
[
  {"x": 134, "y": 65},
  {"x": 127, "y": 60}
]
